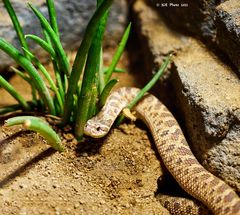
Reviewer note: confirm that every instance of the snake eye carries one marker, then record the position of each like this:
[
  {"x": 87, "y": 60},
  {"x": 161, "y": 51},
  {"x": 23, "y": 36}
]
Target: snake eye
[{"x": 98, "y": 128}]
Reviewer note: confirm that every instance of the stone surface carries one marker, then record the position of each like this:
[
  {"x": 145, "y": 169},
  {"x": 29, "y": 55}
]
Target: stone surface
[
  {"x": 228, "y": 24},
  {"x": 196, "y": 16},
  {"x": 216, "y": 22},
  {"x": 72, "y": 18},
  {"x": 206, "y": 94}
]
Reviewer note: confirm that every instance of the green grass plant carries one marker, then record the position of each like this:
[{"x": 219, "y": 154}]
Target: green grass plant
[{"x": 76, "y": 92}]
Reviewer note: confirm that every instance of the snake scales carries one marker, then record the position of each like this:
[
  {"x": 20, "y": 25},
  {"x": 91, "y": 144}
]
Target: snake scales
[{"x": 172, "y": 147}]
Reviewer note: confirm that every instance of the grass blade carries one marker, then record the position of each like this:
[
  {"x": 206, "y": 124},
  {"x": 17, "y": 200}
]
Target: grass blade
[
  {"x": 55, "y": 40},
  {"x": 16, "y": 24},
  {"x": 38, "y": 125},
  {"x": 58, "y": 79},
  {"x": 13, "y": 92},
  {"x": 102, "y": 25},
  {"x": 93, "y": 107},
  {"x": 58, "y": 69},
  {"x": 16, "y": 107},
  {"x": 81, "y": 56},
  {"x": 105, "y": 93},
  {"x": 42, "y": 43},
  {"x": 57, "y": 72},
  {"x": 20, "y": 34},
  {"x": 27, "y": 79},
  {"x": 49, "y": 79},
  {"x": 31, "y": 70},
  {"x": 116, "y": 70},
  {"x": 22, "y": 75},
  {"x": 10, "y": 108},
  {"x": 151, "y": 82},
  {"x": 118, "y": 53},
  {"x": 147, "y": 87},
  {"x": 53, "y": 16},
  {"x": 101, "y": 70}
]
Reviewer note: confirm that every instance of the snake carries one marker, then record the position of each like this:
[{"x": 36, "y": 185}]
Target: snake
[{"x": 172, "y": 147}]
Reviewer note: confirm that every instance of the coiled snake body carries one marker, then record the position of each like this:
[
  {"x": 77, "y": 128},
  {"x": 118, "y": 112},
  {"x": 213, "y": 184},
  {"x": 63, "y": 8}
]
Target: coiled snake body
[{"x": 172, "y": 147}]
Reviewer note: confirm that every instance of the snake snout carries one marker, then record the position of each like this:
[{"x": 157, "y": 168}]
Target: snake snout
[{"x": 95, "y": 129}]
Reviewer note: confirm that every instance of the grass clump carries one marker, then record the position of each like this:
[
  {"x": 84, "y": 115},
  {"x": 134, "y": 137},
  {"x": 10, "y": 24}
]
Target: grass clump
[{"x": 67, "y": 95}]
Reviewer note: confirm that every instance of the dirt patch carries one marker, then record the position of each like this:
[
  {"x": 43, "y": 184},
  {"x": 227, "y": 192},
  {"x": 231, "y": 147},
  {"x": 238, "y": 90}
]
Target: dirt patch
[{"x": 115, "y": 175}]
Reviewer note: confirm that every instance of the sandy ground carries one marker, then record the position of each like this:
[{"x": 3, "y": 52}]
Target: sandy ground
[{"x": 115, "y": 175}]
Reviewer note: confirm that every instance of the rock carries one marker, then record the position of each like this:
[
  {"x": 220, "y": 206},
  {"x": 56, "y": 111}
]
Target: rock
[
  {"x": 196, "y": 17},
  {"x": 72, "y": 18},
  {"x": 228, "y": 24},
  {"x": 207, "y": 20},
  {"x": 207, "y": 93}
]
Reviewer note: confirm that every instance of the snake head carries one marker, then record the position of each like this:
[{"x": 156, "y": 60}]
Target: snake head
[{"x": 95, "y": 129}]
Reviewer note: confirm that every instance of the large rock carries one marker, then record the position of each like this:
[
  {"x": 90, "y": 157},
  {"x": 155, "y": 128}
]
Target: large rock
[
  {"x": 216, "y": 22},
  {"x": 196, "y": 16},
  {"x": 228, "y": 24},
  {"x": 207, "y": 93},
  {"x": 72, "y": 18}
]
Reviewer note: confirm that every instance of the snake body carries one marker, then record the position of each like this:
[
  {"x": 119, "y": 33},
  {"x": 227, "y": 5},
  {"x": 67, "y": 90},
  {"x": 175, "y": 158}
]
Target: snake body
[
  {"x": 172, "y": 147},
  {"x": 182, "y": 205}
]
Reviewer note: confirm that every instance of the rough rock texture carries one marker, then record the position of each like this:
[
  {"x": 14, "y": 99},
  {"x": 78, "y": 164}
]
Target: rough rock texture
[
  {"x": 214, "y": 21},
  {"x": 196, "y": 16},
  {"x": 207, "y": 94},
  {"x": 228, "y": 24},
  {"x": 72, "y": 18}
]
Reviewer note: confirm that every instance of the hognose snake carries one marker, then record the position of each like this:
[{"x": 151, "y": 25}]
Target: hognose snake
[{"x": 172, "y": 147}]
